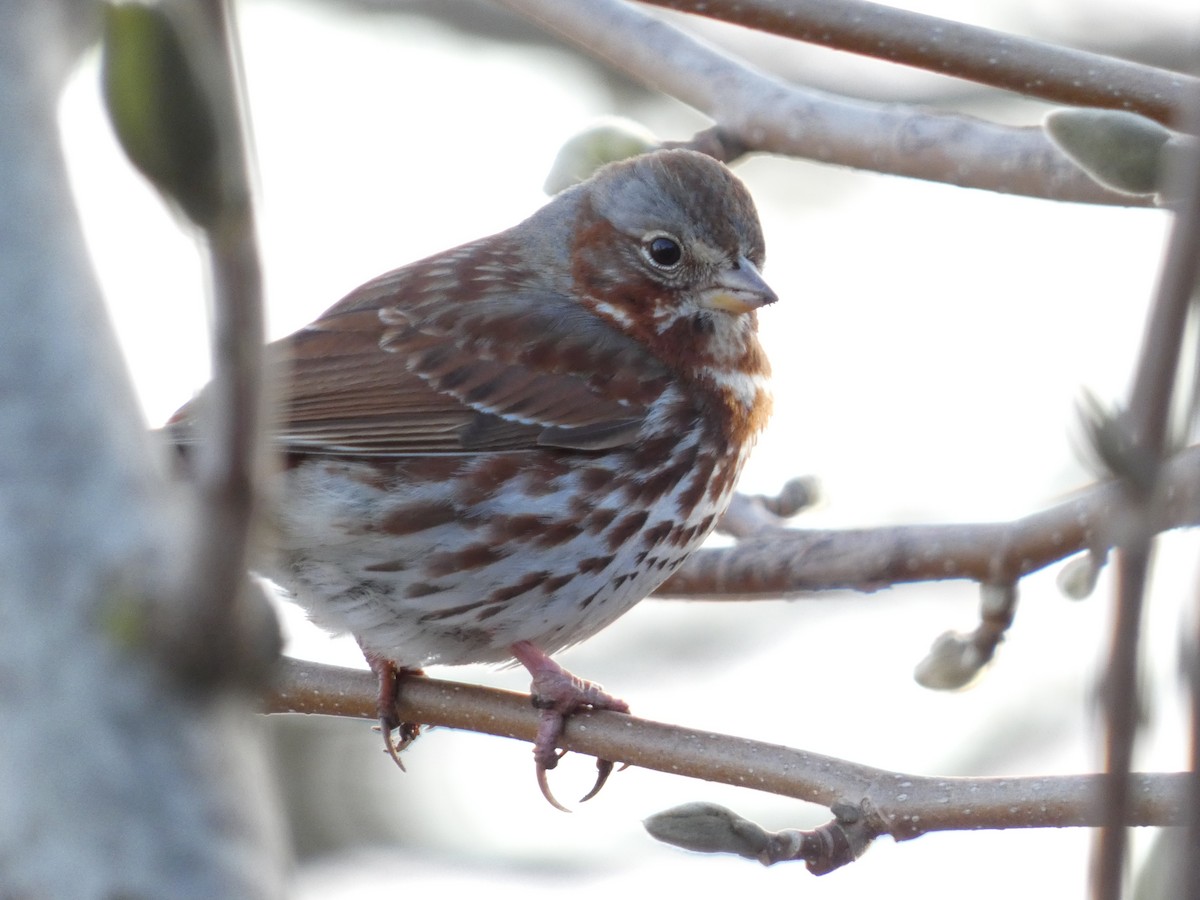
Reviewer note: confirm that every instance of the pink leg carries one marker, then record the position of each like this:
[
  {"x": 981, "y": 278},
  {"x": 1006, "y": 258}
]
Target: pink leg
[{"x": 558, "y": 693}]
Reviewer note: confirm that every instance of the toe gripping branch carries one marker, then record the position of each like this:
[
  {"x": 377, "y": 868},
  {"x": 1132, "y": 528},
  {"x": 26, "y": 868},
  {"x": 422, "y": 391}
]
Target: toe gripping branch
[
  {"x": 390, "y": 675},
  {"x": 557, "y": 694},
  {"x": 554, "y": 691},
  {"x": 545, "y": 752}
]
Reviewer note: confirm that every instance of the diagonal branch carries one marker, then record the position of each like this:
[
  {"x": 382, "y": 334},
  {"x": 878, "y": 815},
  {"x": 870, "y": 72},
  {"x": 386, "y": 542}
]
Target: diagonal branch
[
  {"x": 1007, "y": 61},
  {"x": 766, "y": 114}
]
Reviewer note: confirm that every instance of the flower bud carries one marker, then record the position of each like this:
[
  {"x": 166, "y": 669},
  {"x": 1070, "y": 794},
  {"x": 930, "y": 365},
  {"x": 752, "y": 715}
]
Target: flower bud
[
  {"x": 953, "y": 662},
  {"x": 607, "y": 141},
  {"x": 1077, "y": 579},
  {"x": 161, "y": 116},
  {"x": 1120, "y": 150},
  {"x": 708, "y": 828}
]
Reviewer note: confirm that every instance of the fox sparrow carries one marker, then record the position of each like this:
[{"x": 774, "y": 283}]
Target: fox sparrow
[{"x": 494, "y": 452}]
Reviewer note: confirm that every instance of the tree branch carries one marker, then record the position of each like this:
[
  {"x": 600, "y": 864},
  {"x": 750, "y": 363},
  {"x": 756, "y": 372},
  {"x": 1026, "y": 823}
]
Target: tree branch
[
  {"x": 172, "y": 87},
  {"x": 763, "y": 113},
  {"x": 1006, "y": 61},
  {"x": 904, "y": 806},
  {"x": 787, "y": 562},
  {"x": 1142, "y": 437},
  {"x": 228, "y": 458}
]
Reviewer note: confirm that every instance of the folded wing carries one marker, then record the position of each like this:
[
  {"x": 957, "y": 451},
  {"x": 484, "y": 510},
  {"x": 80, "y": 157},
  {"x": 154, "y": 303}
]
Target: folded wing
[{"x": 399, "y": 368}]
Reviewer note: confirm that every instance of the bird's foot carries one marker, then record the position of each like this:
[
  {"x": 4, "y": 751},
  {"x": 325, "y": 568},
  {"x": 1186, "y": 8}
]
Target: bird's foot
[
  {"x": 558, "y": 694},
  {"x": 390, "y": 675}
]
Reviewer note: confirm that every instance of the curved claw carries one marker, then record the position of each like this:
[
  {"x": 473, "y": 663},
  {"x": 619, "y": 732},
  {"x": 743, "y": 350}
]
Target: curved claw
[
  {"x": 408, "y": 733},
  {"x": 604, "y": 768},
  {"x": 385, "y": 728},
  {"x": 544, "y": 786},
  {"x": 546, "y": 757},
  {"x": 389, "y": 675},
  {"x": 558, "y": 694}
]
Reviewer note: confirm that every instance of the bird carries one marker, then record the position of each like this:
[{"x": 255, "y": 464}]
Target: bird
[{"x": 492, "y": 453}]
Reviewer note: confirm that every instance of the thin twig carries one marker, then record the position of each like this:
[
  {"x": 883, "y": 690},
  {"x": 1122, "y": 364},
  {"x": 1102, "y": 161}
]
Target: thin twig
[
  {"x": 1147, "y": 422},
  {"x": 1120, "y": 719},
  {"x": 1010, "y": 62},
  {"x": 766, "y": 114}
]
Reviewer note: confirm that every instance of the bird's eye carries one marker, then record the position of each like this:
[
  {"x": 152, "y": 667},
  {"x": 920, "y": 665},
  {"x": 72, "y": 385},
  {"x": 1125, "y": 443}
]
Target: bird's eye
[{"x": 663, "y": 251}]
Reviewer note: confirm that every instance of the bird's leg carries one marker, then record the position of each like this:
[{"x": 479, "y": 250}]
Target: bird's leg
[
  {"x": 389, "y": 675},
  {"x": 558, "y": 693}
]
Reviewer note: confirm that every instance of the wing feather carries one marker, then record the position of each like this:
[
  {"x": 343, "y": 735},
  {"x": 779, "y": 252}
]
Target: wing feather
[{"x": 399, "y": 368}]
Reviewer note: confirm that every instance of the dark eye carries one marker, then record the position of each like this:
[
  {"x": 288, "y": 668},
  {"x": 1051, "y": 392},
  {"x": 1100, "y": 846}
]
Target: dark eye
[{"x": 664, "y": 252}]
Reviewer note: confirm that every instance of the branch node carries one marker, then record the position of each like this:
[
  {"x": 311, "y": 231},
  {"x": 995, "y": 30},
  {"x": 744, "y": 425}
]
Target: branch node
[
  {"x": 1117, "y": 448},
  {"x": 717, "y": 142}
]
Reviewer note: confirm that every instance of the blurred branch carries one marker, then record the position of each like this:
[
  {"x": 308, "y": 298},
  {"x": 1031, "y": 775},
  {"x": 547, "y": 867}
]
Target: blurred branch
[
  {"x": 1137, "y": 439},
  {"x": 760, "y": 113},
  {"x": 116, "y": 780},
  {"x": 228, "y": 460},
  {"x": 1189, "y": 884},
  {"x": 787, "y": 562},
  {"x": 222, "y": 627},
  {"x": 173, "y": 94},
  {"x": 904, "y": 806},
  {"x": 1006, "y": 61}
]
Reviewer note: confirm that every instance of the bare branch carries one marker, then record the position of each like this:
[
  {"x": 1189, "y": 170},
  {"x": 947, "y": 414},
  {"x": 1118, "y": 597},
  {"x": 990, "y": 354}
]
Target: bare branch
[
  {"x": 226, "y": 462},
  {"x": 904, "y": 806},
  {"x": 1147, "y": 422},
  {"x": 1158, "y": 359},
  {"x": 221, "y": 628},
  {"x": 763, "y": 113},
  {"x": 1010, "y": 62},
  {"x": 791, "y": 562}
]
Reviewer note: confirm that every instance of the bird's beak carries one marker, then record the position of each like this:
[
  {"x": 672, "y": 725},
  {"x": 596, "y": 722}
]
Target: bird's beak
[{"x": 738, "y": 290}]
